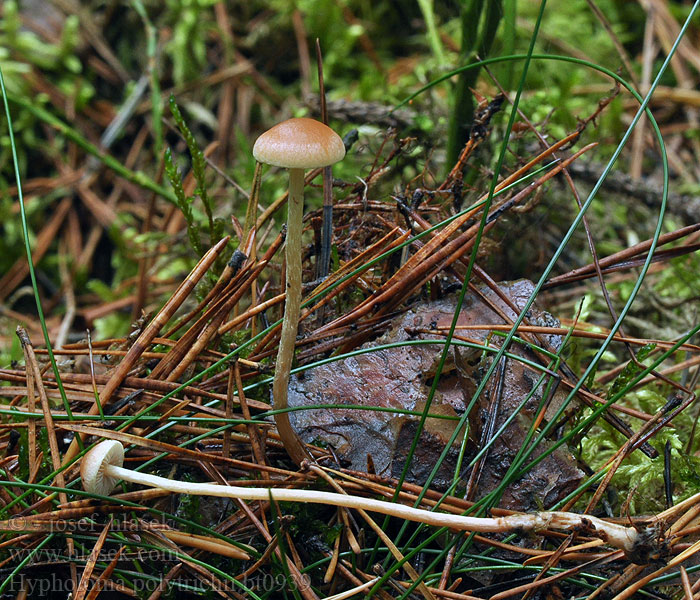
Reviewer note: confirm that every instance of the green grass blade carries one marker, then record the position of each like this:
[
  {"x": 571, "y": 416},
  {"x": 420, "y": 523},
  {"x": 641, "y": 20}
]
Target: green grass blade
[{"x": 28, "y": 249}]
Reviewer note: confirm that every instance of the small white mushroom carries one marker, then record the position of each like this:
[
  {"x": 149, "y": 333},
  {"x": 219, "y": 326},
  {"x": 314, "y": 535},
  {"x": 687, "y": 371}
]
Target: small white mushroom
[
  {"x": 95, "y": 465},
  {"x": 295, "y": 144},
  {"x": 102, "y": 468}
]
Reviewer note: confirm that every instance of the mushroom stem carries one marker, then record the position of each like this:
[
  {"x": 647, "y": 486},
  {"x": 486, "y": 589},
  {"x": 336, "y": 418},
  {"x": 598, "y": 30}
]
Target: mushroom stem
[
  {"x": 285, "y": 354},
  {"x": 618, "y": 536}
]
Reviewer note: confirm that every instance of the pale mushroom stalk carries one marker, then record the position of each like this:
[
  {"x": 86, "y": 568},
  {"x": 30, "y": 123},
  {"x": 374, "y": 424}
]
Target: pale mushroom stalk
[
  {"x": 101, "y": 469},
  {"x": 290, "y": 323}
]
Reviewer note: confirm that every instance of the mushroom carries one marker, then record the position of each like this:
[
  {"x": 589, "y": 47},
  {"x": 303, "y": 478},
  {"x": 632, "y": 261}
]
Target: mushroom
[
  {"x": 97, "y": 478},
  {"x": 295, "y": 144},
  {"x": 94, "y": 467},
  {"x": 102, "y": 468}
]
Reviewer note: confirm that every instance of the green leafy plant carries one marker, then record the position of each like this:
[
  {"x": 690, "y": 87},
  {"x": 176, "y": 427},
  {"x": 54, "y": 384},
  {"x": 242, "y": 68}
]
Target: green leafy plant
[{"x": 216, "y": 225}]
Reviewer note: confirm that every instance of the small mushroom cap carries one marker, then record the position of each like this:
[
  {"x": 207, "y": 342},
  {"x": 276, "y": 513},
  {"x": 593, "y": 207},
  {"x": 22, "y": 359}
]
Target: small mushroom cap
[
  {"x": 299, "y": 144},
  {"x": 92, "y": 469}
]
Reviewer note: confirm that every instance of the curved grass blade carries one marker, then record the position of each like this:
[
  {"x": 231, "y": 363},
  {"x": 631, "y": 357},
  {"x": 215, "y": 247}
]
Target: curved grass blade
[{"x": 28, "y": 249}]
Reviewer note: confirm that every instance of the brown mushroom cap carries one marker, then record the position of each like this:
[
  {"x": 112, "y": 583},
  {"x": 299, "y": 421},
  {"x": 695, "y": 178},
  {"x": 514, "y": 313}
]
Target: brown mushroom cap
[
  {"x": 299, "y": 144},
  {"x": 92, "y": 469}
]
